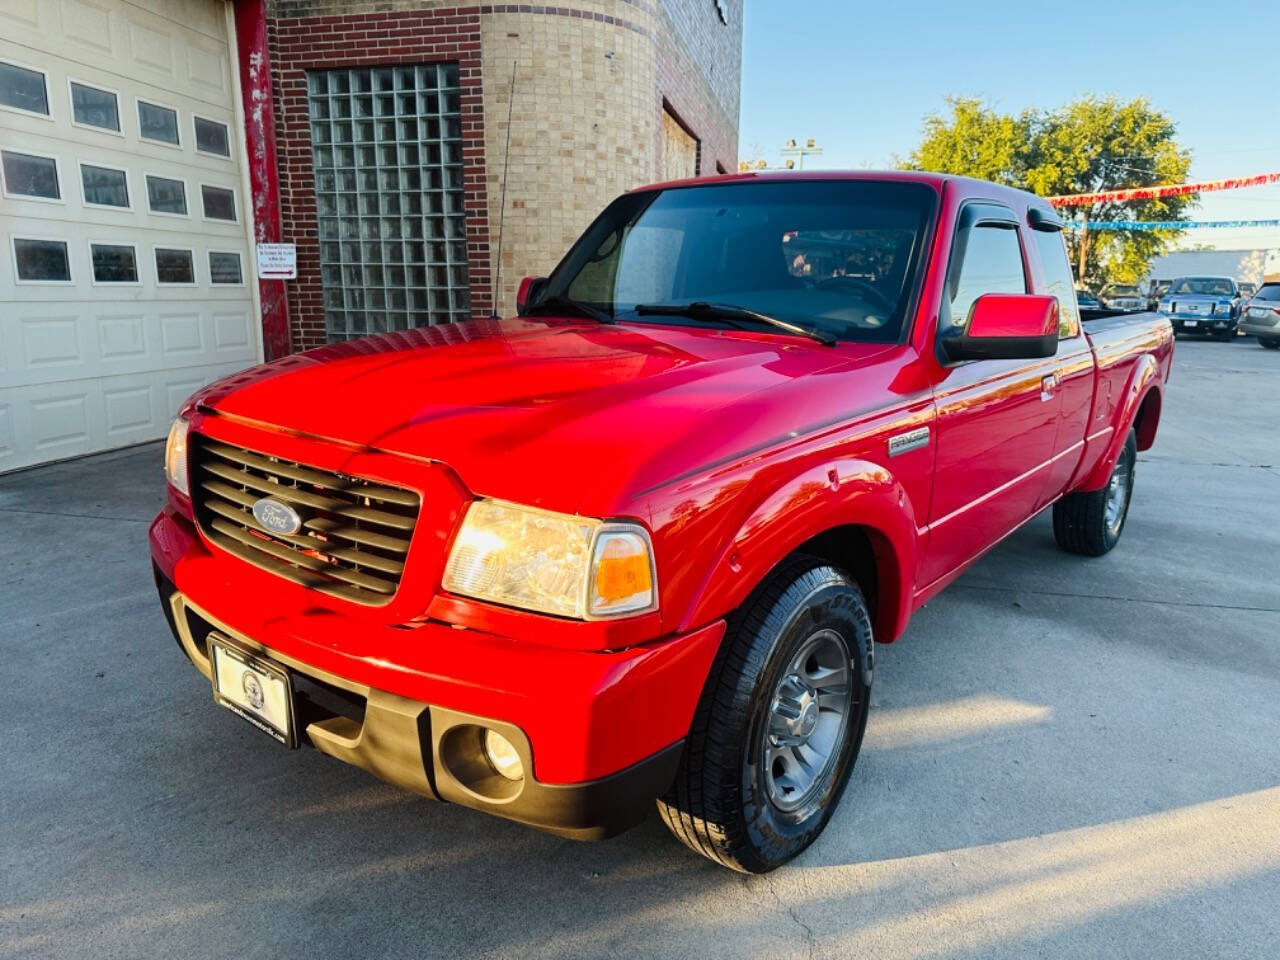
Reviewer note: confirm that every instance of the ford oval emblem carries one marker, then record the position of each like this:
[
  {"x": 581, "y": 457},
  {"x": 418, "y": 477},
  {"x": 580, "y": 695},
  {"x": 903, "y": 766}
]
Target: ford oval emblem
[{"x": 276, "y": 516}]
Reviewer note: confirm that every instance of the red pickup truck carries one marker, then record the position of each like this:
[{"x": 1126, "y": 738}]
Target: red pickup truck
[{"x": 635, "y": 544}]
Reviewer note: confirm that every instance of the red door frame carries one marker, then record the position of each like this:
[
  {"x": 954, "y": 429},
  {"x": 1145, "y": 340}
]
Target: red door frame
[{"x": 260, "y": 139}]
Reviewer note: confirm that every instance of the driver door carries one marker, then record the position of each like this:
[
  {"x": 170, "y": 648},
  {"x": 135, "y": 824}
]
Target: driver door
[{"x": 996, "y": 419}]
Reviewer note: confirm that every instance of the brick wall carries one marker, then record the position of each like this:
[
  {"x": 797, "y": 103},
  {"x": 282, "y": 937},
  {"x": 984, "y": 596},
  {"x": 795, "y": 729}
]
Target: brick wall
[
  {"x": 437, "y": 34},
  {"x": 593, "y": 79},
  {"x": 699, "y": 69}
]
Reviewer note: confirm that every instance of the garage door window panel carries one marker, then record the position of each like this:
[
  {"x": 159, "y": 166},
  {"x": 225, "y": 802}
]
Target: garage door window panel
[
  {"x": 30, "y": 176},
  {"x": 218, "y": 203},
  {"x": 41, "y": 260},
  {"x": 175, "y": 267},
  {"x": 158, "y": 123},
  {"x": 24, "y": 89},
  {"x": 166, "y": 196},
  {"x": 114, "y": 264},
  {"x": 104, "y": 186},
  {"x": 212, "y": 137},
  {"x": 225, "y": 268},
  {"x": 94, "y": 108}
]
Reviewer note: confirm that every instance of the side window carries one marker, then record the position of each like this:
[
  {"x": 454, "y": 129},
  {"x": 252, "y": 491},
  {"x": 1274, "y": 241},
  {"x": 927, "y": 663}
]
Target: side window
[
  {"x": 1058, "y": 280},
  {"x": 992, "y": 264}
]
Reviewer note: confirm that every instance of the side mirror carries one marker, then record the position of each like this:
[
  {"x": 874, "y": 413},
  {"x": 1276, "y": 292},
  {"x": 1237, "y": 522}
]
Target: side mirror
[
  {"x": 528, "y": 291},
  {"x": 1006, "y": 326}
]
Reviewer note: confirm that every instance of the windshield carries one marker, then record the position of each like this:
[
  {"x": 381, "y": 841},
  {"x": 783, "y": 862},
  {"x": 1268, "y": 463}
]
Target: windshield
[
  {"x": 1120, "y": 290},
  {"x": 1209, "y": 286},
  {"x": 837, "y": 256}
]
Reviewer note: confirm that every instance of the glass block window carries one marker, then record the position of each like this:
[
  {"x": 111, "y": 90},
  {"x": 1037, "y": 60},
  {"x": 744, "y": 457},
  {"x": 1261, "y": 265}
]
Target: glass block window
[{"x": 387, "y": 151}]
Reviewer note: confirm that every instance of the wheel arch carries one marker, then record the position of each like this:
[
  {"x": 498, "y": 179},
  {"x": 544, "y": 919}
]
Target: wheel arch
[
  {"x": 852, "y": 513},
  {"x": 1140, "y": 411}
]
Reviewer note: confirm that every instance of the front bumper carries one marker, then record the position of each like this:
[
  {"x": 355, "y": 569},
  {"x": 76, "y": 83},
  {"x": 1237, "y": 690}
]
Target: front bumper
[
  {"x": 1260, "y": 328},
  {"x": 1203, "y": 324},
  {"x": 599, "y": 733}
]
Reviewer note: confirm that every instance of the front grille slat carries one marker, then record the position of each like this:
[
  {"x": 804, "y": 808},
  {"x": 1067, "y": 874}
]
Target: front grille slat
[
  {"x": 355, "y": 533},
  {"x": 293, "y": 494},
  {"x": 314, "y": 477}
]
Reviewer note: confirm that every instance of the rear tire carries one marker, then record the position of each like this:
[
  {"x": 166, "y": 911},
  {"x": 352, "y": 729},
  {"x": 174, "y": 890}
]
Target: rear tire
[
  {"x": 1090, "y": 524},
  {"x": 780, "y": 722}
]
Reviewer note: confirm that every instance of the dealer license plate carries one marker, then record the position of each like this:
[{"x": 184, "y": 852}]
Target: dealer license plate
[{"x": 252, "y": 688}]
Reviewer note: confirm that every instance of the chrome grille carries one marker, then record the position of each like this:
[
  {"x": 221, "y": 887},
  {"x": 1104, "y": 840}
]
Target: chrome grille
[{"x": 354, "y": 537}]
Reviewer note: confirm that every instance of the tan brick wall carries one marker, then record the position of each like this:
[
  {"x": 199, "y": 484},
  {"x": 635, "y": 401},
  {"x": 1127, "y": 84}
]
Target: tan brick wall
[
  {"x": 581, "y": 131},
  {"x": 679, "y": 150}
]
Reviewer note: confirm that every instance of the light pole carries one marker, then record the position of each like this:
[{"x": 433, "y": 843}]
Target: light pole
[{"x": 792, "y": 149}]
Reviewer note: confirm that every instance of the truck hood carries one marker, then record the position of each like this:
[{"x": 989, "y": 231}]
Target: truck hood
[{"x": 567, "y": 414}]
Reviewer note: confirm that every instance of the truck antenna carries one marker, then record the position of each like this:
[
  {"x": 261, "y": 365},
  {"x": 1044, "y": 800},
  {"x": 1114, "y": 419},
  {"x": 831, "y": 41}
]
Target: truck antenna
[{"x": 502, "y": 209}]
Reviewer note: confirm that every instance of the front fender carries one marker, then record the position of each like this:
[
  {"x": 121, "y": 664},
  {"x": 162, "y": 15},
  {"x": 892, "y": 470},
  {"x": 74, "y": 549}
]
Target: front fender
[
  {"x": 843, "y": 492},
  {"x": 1144, "y": 378}
]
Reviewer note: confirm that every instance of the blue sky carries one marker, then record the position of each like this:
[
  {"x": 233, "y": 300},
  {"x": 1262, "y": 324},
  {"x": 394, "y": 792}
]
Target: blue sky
[{"x": 860, "y": 76}]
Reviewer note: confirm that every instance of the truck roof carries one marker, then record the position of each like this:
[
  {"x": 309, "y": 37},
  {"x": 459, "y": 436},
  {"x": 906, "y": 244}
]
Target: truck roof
[{"x": 935, "y": 180}]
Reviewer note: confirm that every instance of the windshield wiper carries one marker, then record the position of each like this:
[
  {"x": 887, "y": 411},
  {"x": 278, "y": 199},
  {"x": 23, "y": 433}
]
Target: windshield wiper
[
  {"x": 558, "y": 302},
  {"x": 701, "y": 310}
]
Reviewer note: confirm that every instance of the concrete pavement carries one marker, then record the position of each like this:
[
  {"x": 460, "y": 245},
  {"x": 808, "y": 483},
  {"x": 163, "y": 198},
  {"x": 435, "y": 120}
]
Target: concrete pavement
[{"x": 1066, "y": 758}]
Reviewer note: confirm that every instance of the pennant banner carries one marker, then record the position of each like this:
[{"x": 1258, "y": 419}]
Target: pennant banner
[
  {"x": 1167, "y": 190},
  {"x": 1172, "y": 224}
]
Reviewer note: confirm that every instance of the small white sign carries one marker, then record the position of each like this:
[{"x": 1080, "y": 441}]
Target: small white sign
[{"x": 277, "y": 261}]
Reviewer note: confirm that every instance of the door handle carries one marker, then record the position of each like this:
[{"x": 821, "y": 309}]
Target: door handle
[{"x": 1048, "y": 385}]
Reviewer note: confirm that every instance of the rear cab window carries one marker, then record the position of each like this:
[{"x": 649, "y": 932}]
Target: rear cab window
[{"x": 1058, "y": 281}]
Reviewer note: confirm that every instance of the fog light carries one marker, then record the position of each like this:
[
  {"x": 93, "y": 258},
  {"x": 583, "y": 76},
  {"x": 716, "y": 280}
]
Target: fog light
[{"x": 502, "y": 755}]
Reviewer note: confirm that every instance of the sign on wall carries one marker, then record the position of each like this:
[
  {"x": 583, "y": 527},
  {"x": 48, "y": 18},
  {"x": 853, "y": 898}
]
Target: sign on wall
[{"x": 277, "y": 261}]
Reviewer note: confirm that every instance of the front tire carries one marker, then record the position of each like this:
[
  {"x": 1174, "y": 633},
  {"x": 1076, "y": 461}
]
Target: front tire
[
  {"x": 1270, "y": 343},
  {"x": 780, "y": 722},
  {"x": 1090, "y": 524}
]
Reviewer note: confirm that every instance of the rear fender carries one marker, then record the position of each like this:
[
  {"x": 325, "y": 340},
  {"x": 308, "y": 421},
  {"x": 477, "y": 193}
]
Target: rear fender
[
  {"x": 1144, "y": 380},
  {"x": 840, "y": 493}
]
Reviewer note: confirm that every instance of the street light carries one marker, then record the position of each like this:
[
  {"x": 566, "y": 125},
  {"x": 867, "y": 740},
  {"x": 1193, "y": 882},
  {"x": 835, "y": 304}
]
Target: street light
[{"x": 792, "y": 149}]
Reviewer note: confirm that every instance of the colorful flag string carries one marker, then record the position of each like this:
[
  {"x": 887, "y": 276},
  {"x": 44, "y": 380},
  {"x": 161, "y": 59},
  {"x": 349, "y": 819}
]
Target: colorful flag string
[
  {"x": 1173, "y": 224},
  {"x": 1166, "y": 190}
]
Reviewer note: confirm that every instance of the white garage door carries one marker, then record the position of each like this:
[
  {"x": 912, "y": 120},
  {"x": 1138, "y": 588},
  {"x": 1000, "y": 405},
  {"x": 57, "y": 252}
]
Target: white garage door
[{"x": 125, "y": 281}]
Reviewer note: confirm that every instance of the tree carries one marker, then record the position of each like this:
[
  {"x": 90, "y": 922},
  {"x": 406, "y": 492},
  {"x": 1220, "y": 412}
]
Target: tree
[{"x": 1088, "y": 145}]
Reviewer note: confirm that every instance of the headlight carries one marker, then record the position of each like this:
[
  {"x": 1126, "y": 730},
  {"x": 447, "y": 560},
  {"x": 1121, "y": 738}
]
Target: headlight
[
  {"x": 175, "y": 457},
  {"x": 568, "y": 566}
]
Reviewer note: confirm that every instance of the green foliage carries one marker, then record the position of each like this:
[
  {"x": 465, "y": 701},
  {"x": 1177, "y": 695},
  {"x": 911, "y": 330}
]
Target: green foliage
[{"x": 1085, "y": 146}]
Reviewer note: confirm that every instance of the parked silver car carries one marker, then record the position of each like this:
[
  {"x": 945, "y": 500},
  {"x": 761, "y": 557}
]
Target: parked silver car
[
  {"x": 1262, "y": 316},
  {"x": 1125, "y": 297}
]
